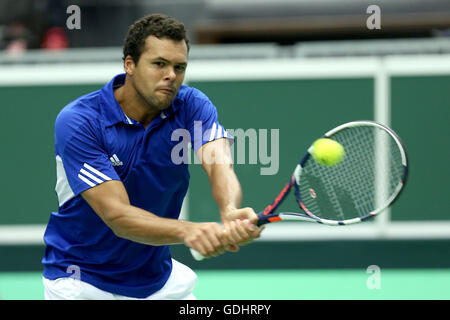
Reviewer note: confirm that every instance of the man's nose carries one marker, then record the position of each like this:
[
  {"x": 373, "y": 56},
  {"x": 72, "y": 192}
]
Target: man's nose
[{"x": 170, "y": 75}]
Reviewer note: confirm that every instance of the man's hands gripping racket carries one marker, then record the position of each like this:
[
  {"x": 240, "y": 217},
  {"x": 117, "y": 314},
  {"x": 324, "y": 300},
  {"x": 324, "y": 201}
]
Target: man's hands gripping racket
[{"x": 367, "y": 180}]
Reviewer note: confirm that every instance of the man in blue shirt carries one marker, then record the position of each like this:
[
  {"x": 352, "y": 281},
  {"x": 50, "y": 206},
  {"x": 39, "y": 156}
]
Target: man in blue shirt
[{"x": 119, "y": 187}]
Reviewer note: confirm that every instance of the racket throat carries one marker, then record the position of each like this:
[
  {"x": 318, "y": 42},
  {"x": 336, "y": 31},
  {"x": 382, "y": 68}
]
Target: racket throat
[{"x": 267, "y": 218}]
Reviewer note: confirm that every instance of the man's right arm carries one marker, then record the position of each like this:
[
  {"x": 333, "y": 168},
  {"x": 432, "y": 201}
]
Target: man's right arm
[{"x": 110, "y": 201}]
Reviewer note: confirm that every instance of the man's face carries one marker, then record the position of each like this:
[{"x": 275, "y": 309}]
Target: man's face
[{"x": 158, "y": 75}]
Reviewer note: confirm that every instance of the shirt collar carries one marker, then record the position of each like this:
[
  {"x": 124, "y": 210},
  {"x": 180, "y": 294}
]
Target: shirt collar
[{"x": 112, "y": 111}]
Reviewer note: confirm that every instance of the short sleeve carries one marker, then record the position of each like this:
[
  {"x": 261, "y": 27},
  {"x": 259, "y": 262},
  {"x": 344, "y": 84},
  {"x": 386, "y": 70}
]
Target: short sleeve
[
  {"x": 84, "y": 161},
  {"x": 204, "y": 125}
]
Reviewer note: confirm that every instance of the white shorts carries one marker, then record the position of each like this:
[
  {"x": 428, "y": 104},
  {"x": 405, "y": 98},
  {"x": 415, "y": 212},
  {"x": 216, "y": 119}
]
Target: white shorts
[{"x": 179, "y": 286}]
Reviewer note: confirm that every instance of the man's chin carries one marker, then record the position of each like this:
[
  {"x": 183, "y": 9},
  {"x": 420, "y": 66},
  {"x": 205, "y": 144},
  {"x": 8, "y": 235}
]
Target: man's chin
[
  {"x": 160, "y": 105},
  {"x": 164, "y": 104}
]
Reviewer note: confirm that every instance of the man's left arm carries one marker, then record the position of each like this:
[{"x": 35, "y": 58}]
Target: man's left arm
[{"x": 239, "y": 222}]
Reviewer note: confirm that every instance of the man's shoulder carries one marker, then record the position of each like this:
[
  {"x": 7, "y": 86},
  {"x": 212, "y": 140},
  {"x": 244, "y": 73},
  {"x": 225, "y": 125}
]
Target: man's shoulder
[
  {"x": 194, "y": 100},
  {"x": 191, "y": 94},
  {"x": 83, "y": 108},
  {"x": 80, "y": 114}
]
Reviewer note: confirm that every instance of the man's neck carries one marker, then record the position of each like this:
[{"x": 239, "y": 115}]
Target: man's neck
[{"x": 133, "y": 105}]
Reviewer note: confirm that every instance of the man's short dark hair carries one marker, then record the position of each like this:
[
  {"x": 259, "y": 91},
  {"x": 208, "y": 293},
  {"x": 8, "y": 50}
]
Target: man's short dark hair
[{"x": 158, "y": 25}]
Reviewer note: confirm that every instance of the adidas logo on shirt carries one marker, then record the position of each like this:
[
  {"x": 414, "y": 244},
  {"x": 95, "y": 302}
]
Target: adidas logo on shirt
[{"x": 115, "y": 161}]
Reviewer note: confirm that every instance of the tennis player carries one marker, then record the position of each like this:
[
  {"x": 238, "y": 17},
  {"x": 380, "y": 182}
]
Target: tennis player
[{"x": 119, "y": 190}]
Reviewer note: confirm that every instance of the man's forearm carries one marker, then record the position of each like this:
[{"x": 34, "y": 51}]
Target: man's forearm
[
  {"x": 141, "y": 226},
  {"x": 226, "y": 188},
  {"x": 218, "y": 165}
]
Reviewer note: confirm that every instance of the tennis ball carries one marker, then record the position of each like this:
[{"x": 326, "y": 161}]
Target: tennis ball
[{"x": 327, "y": 152}]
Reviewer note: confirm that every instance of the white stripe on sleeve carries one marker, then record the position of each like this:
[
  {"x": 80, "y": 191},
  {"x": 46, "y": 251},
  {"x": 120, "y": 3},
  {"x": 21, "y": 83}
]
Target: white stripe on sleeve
[
  {"x": 91, "y": 176},
  {"x": 86, "y": 180},
  {"x": 93, "y": 170}
]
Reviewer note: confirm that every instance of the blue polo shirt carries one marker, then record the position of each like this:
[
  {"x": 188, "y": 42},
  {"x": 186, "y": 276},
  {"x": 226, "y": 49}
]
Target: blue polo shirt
[{"x": 94, "y": 142}]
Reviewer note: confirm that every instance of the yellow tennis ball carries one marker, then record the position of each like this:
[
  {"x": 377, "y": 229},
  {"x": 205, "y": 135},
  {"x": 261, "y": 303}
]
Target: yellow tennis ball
[{"x": 327, "y": 152}]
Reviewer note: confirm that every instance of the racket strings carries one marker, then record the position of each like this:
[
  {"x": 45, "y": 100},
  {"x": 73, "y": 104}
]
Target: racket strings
[
  {"x": 353, "y": 173},
  {"x": 364, "y": 181}
]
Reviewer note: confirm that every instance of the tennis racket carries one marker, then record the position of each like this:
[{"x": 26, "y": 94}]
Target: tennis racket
[{"x": 369, "y": 178}]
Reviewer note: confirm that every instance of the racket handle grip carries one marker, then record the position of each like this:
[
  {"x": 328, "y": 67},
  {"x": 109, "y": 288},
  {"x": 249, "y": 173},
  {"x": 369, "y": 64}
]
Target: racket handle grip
[
  {"x": 196, "y": 255},
  {"x": 262, "y": 219}
]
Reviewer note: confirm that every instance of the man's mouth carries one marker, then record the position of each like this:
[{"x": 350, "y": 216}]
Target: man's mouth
[{"x": 167, "y": 90}]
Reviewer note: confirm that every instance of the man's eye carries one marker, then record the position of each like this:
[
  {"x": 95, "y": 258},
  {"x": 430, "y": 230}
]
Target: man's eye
[
  {"x": 180, "y": 68},
  {"x": 158, "y": 63}
]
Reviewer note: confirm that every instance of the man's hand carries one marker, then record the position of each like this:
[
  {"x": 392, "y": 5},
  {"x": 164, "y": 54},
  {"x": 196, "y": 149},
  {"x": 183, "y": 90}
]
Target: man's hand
[
  {"x": 241, "y": 224},
  {"x": 210, "y": 239}
]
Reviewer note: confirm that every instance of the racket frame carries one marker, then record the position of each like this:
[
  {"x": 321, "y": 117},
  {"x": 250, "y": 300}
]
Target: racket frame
[{"x": 268, "y": 215}]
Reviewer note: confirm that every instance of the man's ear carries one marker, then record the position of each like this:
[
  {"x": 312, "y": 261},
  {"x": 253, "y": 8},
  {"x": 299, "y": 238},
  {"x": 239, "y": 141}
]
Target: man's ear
[{"x": 129, "y": 65}]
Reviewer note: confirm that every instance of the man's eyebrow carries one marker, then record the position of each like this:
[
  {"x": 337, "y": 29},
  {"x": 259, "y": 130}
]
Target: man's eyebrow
[{"x": 164, "y": 59}]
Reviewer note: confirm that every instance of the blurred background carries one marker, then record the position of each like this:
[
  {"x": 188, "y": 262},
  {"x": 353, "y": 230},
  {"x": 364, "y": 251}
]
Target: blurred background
[
  {"x": 42, "y": 24},
  {"x": 300, "y": 66}
]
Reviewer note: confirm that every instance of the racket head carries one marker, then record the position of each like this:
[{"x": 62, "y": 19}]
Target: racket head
[{"x": 369, "y": 179}]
